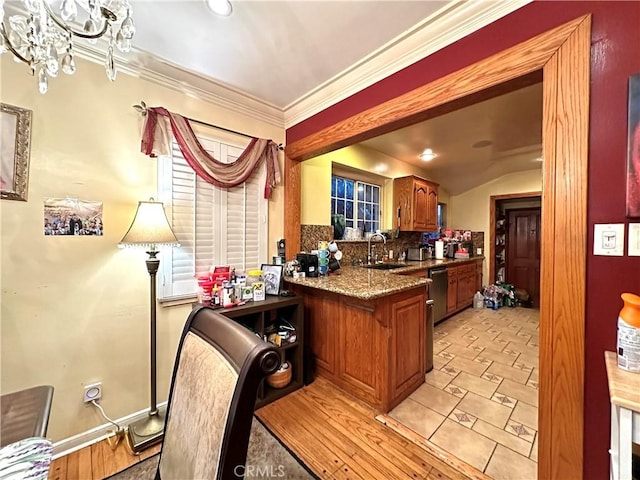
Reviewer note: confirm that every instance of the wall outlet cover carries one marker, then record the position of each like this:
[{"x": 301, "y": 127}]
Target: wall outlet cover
[{"x": 92, "y": 392}]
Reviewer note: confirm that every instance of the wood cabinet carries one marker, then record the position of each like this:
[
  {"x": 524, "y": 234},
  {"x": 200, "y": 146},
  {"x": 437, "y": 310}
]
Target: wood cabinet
[
  {"x": 415, "y": 201},
  {"x": 452, "y": 289},
  {"x": 373, "y": 349},
  {"x": 464, "y": 281},
  {"x": 259, "y": 317}
]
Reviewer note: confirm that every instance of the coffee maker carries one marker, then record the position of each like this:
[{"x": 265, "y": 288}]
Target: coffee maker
[{"x": 308, "y": 264}]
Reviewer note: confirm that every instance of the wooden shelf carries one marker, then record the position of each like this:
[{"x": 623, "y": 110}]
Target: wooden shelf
[{"x": 255, "y": 316}]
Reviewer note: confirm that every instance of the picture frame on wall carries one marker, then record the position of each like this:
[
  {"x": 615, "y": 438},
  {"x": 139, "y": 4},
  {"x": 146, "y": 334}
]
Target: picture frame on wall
[
  {"x": 633, "y": 152},
  {"x": 15, "y": 145},
  {"x": 272, "y": 277}
]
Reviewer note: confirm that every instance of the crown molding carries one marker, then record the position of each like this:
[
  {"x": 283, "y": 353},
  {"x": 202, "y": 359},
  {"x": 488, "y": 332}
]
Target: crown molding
[
  {"x": 141, "y": 64},
  {"x": 448, "y": 25}
]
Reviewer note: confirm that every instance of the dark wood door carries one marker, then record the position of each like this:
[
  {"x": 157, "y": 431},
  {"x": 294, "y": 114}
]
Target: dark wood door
[{"x": 523, "y": 251}]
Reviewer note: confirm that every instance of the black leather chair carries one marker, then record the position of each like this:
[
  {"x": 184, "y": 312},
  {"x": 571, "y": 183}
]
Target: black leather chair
[
  {"x": 211, "y": 432},
  {"x": 218, "y": 369}
]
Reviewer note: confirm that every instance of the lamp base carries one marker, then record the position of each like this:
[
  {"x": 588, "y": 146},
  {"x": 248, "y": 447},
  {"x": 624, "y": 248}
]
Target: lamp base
[{"x": 146, "y": 432}]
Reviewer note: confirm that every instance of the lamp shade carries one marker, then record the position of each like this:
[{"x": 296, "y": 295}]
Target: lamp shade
[{"x": 149, "y": 228}]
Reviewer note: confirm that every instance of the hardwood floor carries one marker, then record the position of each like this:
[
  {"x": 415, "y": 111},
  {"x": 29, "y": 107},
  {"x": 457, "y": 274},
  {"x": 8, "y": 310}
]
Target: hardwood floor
[
  {"x": 96, "y": 462},
  {"x": 335, "y": 435}
]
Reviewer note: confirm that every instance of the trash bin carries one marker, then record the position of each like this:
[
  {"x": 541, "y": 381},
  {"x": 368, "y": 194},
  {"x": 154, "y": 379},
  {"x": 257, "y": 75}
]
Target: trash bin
[{"x": 429, "y": 338}]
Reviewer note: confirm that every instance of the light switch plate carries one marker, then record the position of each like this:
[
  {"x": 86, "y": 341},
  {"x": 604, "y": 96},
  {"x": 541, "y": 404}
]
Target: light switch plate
[
  {"x": 634, "y": 239},
  {"x": 608, "y": 239}
]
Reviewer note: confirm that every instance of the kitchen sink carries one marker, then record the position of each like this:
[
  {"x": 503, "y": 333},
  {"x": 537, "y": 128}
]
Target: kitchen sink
[{"x": 385, "y": 266}]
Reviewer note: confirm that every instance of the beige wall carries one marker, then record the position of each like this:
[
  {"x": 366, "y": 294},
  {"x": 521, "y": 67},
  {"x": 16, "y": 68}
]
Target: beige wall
[
  {"x": 75, "y": 310},
  {"x": 316, "y": 181},
  {"x": 470, "y": 210}
]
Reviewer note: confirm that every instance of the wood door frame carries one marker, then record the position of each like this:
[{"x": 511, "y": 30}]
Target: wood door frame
[
  {"x": 493, "y": 200},
  {"x": 563, "y": 55}
]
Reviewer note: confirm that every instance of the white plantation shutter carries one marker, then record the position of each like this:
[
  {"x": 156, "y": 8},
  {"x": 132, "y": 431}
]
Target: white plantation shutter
[{"x": 215, "y": 226}]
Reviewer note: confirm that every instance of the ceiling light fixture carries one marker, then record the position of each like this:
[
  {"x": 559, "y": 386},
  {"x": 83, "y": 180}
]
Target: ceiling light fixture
[
  {"x": 220, "y": 7},
  {"x": 427, "y": 155},
  {"x": 44, "y": 41}
]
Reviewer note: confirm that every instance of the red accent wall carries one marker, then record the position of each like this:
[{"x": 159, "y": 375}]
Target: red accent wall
[{"x": 615, "y": 55}]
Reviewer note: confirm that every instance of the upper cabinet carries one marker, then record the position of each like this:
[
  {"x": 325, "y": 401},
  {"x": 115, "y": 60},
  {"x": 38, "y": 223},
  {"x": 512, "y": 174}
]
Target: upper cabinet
[{"x": 415, "y": 203}]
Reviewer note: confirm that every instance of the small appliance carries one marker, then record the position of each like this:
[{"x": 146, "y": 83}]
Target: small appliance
[
  {"x": 450, "y": 249},
  {"x": 418, "y": 254},
  {"x": 308, "y": 263}
]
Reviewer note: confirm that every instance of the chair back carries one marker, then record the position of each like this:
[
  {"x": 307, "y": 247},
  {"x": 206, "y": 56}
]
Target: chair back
[{"x": 218, "y": 369}]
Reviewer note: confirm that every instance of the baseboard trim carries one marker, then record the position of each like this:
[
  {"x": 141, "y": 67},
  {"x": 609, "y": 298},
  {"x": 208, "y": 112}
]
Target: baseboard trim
[{"x": 84, "y": 439}]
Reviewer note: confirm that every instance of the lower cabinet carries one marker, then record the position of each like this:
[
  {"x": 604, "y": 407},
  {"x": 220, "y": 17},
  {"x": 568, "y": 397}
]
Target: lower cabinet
[
  {"x": 373, "y": 349},
  {"x": 463, "y": 282}
]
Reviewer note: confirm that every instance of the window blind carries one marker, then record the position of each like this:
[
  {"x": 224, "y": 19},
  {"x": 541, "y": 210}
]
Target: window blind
[{"x": 215, "y": 226}]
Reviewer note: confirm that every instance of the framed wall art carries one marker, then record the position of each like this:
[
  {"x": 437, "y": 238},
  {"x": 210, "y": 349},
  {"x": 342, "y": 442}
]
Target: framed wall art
[
  {"x": 633, "y": 153},
  {"x": 15, "y": 142},
  {"x": 272, "y": 276}
]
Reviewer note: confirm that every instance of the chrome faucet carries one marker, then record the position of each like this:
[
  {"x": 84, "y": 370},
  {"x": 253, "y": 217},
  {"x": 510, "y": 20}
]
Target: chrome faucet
[{"x": 369, "y": 256}]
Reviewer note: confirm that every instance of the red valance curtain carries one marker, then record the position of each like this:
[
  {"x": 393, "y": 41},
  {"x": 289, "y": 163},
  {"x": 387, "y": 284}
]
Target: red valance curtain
[{"x": 156, "y": 140}]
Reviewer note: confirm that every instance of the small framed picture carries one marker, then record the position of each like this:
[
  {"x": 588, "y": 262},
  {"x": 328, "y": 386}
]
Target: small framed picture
[{"x": 272, "y": 277}]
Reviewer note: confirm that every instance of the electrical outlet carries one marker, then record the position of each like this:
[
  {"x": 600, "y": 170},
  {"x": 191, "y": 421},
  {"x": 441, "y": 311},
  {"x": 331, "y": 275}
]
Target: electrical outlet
[{"x": 92, "y": 392}]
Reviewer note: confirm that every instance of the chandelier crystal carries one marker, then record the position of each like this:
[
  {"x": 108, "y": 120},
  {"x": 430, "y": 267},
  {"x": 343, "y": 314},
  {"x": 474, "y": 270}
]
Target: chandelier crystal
[{"x": 44, "y": 39}]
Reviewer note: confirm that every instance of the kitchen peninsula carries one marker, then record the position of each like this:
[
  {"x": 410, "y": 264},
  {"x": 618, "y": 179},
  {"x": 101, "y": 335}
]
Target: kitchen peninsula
[{"x": 366, "y": 329}]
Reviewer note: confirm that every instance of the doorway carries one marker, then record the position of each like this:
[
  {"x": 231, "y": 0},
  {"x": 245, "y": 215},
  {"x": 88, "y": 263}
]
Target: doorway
[
  {"x": 562, "y": 56},
  {"x": 523, "y": 252},
  {"x": 515, "y": 243}
]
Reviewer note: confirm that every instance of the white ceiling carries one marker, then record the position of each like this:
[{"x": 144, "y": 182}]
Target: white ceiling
[
  {"x": 512, "y": 123},
  {"x": 276, "y": 51}
]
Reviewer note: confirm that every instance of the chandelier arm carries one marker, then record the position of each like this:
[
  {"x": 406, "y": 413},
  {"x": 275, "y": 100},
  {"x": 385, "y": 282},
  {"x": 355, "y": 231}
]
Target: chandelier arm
[
  {"x": 107, "y": 16},
  {"x": 8, "y": 44}
]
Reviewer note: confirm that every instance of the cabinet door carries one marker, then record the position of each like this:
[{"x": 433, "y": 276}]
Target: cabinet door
[
  {"x": 321, "y": 313},
  {"x": 479, "y": 277},
  {"x": 432, "y": 208},
  {"x": 407, "y": 343},
  {"x": 452, "y": 289},
  {"x": 421, "y": 205}
]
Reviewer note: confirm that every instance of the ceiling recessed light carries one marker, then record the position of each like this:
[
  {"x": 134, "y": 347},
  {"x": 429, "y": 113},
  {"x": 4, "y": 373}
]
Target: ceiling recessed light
[
  {"x": 482, "y": 143},
  {"x": 539, "y": 159},
  {"x": 220, "y": 7},
  {"x": 427, "y": 155}
]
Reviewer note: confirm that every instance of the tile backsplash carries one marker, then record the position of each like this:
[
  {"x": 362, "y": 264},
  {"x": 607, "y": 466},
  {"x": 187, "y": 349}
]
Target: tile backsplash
[{"x": 310, "y": 235}]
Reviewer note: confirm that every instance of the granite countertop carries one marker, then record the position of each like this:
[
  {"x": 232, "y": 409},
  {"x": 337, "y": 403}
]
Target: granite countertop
[{"x": 369, "y": 283}]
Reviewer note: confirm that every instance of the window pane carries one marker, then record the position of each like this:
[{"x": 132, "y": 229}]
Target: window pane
[
  {"x": 349, "y": 223},
  {"x": 333, "y": 186},
  {"x": 360, "y": 211},
  {"x": 340, "y": 210},
  {"x": 349, "y": 194},
  {"x": 340, "y": 188},
  {"x": 349, "y": 210},
  {"x": 376, "y": 195},
  {"x": 369, "y": 195},
  {"x": 360, "y": 191},
  {"x": 375, "y": 212},
  {"x": 333, "y": 205}
]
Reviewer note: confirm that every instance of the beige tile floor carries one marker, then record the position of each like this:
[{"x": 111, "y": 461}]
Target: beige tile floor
[{"x": 480, "y": 401}]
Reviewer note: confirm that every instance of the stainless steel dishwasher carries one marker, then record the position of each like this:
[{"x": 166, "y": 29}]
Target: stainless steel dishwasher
[{"x": 438, "y": 292}]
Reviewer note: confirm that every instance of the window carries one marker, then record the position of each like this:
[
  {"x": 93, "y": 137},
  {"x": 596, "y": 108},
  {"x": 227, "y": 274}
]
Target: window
[
  {"x": 215, "y": 226},
  {"x": 358, "y": 201}
]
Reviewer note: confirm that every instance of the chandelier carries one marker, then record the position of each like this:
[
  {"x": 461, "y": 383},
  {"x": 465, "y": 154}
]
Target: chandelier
[{"x": 45, "y": 41}]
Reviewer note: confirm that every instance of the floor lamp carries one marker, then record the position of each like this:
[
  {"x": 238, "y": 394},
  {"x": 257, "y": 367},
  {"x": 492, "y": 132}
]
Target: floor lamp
[{"x": 149, "y": 229}]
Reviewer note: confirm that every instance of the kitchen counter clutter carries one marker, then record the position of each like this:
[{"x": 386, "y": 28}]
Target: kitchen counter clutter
[{"x": 369, "y": 283}]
